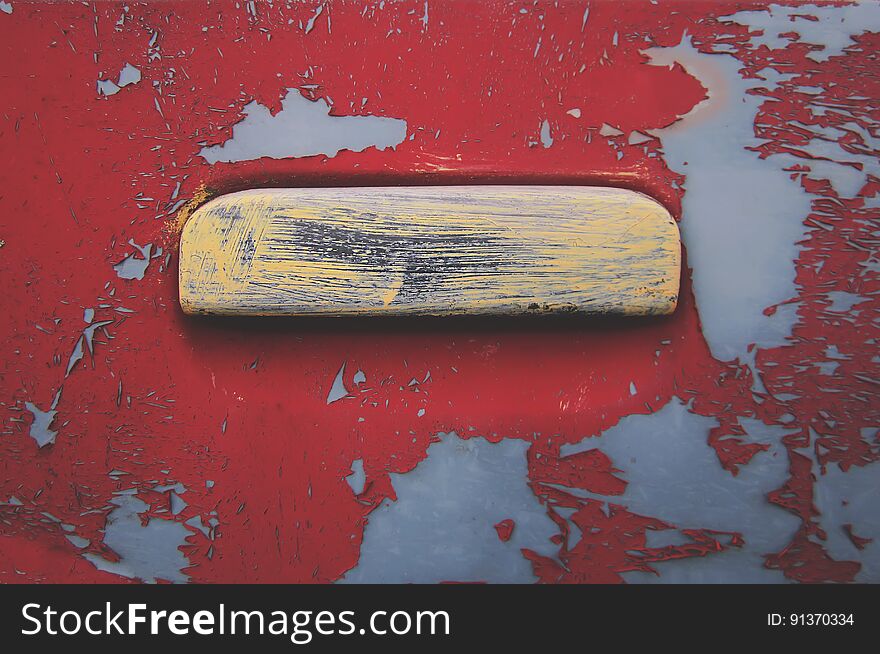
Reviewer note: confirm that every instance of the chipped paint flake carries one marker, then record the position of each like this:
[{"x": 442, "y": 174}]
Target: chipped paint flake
[
  {"x": 127, "y": 75},
  {"x": 310, "y": 25},
  {"x": 134, "y": 266},
  {"x": 357, "y": 478},
  {"x": 41, "y": 427},
  {"x": 338, "y": 390},
  {"x": 546, "y": 138},
  {"x": 302, "y": 129},
  {"x": 148, "y": 551}
]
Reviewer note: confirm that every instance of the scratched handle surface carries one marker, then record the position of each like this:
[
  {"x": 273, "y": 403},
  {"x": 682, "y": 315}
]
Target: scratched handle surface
[{"x": 430, "y": 250}]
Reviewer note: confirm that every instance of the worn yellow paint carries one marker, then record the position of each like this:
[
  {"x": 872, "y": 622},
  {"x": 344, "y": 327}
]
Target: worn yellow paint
[
  {"x": 202, "y": 194},
  {"x": 430, "y": 250}
]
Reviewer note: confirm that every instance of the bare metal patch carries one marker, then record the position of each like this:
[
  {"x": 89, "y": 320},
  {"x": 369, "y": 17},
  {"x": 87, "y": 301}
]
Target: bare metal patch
[{"x": 302, "y": 129}]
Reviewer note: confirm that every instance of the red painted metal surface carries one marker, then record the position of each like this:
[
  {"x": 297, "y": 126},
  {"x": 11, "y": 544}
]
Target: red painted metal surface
[{"x": 159, "y": 399}]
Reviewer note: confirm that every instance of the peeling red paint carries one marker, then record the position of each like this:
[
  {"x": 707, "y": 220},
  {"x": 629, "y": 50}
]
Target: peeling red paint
[
  {"x": 505, "y": 529},
  {"x": 858, "y": 541},
  {"x": 166, "y": 399}
]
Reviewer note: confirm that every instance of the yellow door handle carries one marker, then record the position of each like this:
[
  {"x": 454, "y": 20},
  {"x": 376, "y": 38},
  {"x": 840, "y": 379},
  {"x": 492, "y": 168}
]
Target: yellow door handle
[{"x": 431, "y": 250}]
